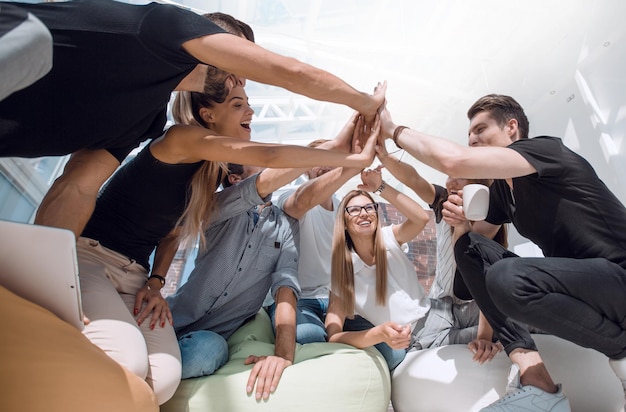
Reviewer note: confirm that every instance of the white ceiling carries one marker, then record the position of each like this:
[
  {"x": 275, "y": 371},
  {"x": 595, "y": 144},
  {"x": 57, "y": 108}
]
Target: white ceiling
[{"x": 563, "y": 60}]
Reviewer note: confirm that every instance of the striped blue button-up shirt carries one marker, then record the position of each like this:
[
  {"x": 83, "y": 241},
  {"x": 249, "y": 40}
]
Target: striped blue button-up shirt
[{"x": 241, "y": 263}]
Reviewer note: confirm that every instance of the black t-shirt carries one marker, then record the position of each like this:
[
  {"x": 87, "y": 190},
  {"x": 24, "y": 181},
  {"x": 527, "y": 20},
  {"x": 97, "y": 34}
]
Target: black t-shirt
[
  {"x": 114, "y": 68},
  {"x": 564, "y": 208},
  {"x": 10, "y": 18},
  {"x": 441, "y": 195},
  {"x": 140, "y": 205}
]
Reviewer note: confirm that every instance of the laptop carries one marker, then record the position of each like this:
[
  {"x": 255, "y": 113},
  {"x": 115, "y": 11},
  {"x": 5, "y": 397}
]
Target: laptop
[{"x": 39, "y": 264}]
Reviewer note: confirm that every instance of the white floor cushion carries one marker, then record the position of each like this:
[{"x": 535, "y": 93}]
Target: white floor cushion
[{"x": 446, "y": 378}]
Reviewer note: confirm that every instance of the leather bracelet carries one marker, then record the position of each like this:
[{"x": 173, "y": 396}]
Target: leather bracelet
[
  {"x": 160, "y": 278},
  {"x": 380, "y": 189},
  {"x": 396, "y": 134}
]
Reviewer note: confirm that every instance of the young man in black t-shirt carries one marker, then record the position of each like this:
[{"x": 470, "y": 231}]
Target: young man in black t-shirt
[
  {"x": 554, "y": 198},
  {"x": 115, "y": 67}
]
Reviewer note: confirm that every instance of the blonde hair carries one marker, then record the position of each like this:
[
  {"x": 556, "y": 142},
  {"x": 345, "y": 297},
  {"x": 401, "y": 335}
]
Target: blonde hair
[
  {"x": 204, "y": 183},
  {"x": 342, "y": 269},
  {"x": 200, "y": 203}
]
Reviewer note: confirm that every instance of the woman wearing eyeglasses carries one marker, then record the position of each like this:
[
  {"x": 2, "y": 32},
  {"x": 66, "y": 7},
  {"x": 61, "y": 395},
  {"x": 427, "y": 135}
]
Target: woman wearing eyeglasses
[{"x": 376, "y": 298}]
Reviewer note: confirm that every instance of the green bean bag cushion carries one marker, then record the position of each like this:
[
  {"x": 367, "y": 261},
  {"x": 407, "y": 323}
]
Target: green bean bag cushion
[{"x": 324, "y": 377}]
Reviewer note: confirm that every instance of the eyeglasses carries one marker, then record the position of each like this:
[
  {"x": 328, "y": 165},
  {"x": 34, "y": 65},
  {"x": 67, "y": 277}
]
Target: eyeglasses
[{"x": 355, "y": 210}]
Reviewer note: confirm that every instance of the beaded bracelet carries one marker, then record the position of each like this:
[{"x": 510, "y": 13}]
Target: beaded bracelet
[{"x": 396, "y": 134}]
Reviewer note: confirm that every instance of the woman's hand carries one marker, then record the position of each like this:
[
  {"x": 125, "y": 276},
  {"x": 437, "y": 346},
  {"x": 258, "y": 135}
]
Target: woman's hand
[
  {"x": 372, "y": 179},
  {"x": 395, "y": 335},
  {"x": 155, "y": 303},
  {"x": 484, "y": 350}
]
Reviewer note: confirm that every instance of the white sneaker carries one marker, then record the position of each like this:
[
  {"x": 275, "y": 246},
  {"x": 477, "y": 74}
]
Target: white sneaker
[
  {"x": 619, "y": 368},
  {"x": 530, "y": 398}
]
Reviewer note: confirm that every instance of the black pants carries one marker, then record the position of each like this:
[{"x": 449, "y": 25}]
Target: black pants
[{"x": 580, "y": 300}]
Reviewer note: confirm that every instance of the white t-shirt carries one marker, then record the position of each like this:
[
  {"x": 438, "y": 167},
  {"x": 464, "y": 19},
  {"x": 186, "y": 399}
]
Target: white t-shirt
[
  {"x": 406, "y": 300},
  {"x": 316, "y": 239}
]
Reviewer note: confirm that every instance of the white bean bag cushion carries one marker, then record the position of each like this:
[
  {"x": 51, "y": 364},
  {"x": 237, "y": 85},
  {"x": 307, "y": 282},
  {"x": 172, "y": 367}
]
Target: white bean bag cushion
[
  {"x": 446, "y": 378},
  {"x": 324, "y": 377}
]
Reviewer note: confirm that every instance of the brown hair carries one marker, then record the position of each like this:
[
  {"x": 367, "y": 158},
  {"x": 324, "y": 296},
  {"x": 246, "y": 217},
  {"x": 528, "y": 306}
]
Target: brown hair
[
  {"x": 186, "y": 105},
  {"x": 501, "y": 108},
  {"x": 342, "y": 269}
]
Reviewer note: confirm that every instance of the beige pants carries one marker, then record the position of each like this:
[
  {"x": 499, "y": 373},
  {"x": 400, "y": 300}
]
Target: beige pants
[{"x": 109, "y": 282}]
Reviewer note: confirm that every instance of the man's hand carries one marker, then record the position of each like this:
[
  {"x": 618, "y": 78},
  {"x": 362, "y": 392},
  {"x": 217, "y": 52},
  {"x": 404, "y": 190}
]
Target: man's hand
[
  {"x": 377, "y": 102},
  {"x": 387, "y": 126},
  {"x": 484, "y": 350},
  {"x": 156, "y": 304},
  {"x": 453, "y": 214},
  {"x": 266, "y": 374}
]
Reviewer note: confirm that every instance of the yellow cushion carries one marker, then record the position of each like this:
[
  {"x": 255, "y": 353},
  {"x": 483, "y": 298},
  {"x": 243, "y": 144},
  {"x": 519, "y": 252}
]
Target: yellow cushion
[{"x": 48, "y": 365}]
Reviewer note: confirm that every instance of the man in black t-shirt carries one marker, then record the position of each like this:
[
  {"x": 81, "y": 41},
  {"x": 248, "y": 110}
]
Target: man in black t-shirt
[
  {"x": 554, "y": 198},
  {"x": 115, "y": 66}
]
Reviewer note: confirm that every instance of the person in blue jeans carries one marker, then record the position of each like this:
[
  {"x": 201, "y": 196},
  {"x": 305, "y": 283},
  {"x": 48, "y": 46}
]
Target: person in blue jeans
[
  {"x": 554, "y": 198},
  {"x": 251, "y": 248},
  {"x": 376, "y": 299},
  {"x": 315, "y": 205}
]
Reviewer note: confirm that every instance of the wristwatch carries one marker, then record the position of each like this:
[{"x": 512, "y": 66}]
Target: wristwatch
[{"x": 380, "y": 189}]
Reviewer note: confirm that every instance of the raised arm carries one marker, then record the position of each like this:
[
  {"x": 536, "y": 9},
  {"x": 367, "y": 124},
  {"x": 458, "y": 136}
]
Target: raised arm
[
  {"x": 406, "y": 174},
  {"x": 272, "y": 179},
  {"x": 416, "y": 216},
  {"x": 188, "y": 144},
  {"x": 251, "y": 61},
  {"x": 320, "y": 189},
  {"x": 455, "y": 160}
]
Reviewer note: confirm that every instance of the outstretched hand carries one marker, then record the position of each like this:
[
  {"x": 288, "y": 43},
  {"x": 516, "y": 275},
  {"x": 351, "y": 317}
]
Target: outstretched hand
[
  {"x": 377, "y": 102},
  {"x": 363, "y": 144},
  {"x": 387, "y": 126},
  {"x": 372, "y": 179},
  {"x": 265, "y": 374},
  {"x": 344, "y": 141}
]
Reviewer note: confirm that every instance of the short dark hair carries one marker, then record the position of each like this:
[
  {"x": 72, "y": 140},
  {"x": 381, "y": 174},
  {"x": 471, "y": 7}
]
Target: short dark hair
[
  {"x": 501, "y": 108},
  {"x": 231, "y": 24},
  {"x": 233, "y": 169}
]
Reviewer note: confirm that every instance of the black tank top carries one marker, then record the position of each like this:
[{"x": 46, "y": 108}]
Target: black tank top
[{"x": 140, "y": 205}]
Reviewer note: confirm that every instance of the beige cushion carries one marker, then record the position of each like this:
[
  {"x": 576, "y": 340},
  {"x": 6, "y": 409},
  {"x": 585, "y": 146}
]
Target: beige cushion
[
  {"x": 48, "y": 365},
  {"x": 446, "y": 379},
  {"x": 324, "y": 377}
]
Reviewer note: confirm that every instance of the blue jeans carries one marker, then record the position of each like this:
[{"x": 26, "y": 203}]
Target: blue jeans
[
  {"x": 580, "y": 300},
  {"x": 310, "y": 316},
  {"x": 392, "y": 356},
  {"x": 202, "y": 352}
]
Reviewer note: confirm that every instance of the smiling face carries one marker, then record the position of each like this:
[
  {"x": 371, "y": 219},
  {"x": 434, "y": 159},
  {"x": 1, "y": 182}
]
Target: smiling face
[
  {"x": 366, "y": 221},
  {"x": 484, "y": 130},
  {"x": 231, "y": 118}
]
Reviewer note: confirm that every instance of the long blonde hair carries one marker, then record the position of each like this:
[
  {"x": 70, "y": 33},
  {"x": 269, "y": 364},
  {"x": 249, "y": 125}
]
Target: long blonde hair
[
  {"x": 186, "y": 110},
  {"x": 342, "y": 269},
  {"x": 206, "y": 180}
]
